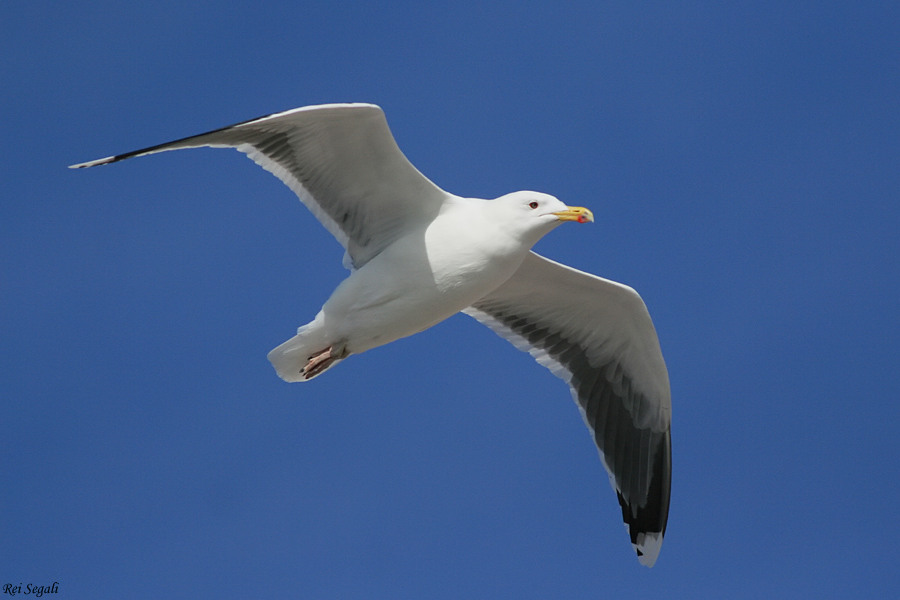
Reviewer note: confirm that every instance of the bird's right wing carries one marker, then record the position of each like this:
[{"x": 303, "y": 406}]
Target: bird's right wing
[{"x": 343, "y": 163}]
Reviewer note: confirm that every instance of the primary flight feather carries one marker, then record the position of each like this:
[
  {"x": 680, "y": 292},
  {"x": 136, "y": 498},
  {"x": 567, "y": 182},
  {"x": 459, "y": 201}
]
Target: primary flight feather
[{"x": 418, "y": 255}]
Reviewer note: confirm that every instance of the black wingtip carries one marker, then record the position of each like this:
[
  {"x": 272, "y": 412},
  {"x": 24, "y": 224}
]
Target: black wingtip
[
  {"x": 94, "y": 163},
  {"x": 647, "y": 524}
]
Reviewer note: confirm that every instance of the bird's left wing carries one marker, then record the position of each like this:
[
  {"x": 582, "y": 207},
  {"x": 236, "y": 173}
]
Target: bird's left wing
[
  {"x": 342, "y": 162},
  {"x": 597, "y": 336}
]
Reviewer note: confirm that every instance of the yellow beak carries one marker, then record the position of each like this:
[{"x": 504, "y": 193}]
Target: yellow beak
[{"x": 575, "y": 213}]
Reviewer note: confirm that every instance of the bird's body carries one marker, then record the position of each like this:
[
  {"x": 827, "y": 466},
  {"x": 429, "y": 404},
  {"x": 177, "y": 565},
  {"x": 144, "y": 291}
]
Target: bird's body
[
  {"x": 428, "y": 275},
  {"x": 419, "y": 255}
]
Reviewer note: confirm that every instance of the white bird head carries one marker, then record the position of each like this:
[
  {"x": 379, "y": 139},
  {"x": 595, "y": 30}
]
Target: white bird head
[{"x": 531, "y": 215}]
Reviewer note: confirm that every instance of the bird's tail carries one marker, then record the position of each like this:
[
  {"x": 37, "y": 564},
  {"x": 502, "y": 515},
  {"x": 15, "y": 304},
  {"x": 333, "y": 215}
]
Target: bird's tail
[{"x": 291, "y": 357}]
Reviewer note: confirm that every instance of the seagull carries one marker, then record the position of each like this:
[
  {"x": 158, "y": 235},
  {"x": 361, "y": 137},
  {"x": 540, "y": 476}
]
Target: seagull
[{"x": 418, "y": 255}]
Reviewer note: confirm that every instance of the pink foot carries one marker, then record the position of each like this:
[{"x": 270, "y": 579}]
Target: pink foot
[{"x": 320, "y": 361}]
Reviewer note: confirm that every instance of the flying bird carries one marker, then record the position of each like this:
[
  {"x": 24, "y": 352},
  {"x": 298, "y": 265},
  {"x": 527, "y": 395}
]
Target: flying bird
[{"x": 418, "y": 255}]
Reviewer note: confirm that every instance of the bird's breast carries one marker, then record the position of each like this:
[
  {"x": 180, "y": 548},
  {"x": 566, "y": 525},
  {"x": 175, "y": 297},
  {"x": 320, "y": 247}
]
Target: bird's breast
[
  {"x": 470, "y": 255},
  {"x": 415, "y": 283}
]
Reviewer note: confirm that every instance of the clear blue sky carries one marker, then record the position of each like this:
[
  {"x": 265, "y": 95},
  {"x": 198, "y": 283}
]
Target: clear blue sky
[{"x": 743, "y": 163}]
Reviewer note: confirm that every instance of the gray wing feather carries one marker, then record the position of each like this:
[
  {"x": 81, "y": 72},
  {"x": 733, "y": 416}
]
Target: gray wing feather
[
  {"x": 597, "y": 336},
  {"x": 342, "y": 162}
]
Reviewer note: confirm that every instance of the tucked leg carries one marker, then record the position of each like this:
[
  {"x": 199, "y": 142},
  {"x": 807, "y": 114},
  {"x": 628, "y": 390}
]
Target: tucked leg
[{"x": 323, "y": 359}]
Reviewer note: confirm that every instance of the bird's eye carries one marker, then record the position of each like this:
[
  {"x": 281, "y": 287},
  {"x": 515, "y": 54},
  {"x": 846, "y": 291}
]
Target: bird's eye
[{"x": 532, "y": 204}]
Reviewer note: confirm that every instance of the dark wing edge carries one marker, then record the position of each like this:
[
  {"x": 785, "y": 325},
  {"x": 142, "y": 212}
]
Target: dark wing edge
[
  {"x": 192, "y": 141},
  {"x": 634, "y": 445}
]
